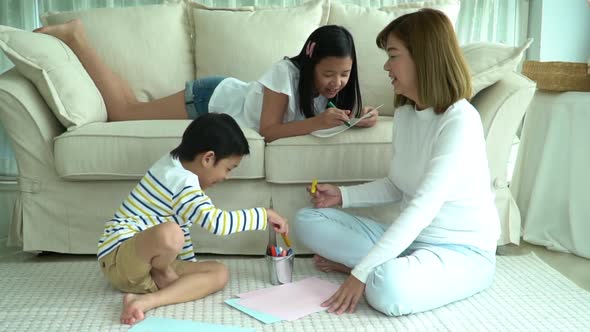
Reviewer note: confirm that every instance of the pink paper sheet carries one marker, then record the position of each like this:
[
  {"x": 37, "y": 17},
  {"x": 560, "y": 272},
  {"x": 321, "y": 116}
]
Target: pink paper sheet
[{"x": 290, "y": 301}]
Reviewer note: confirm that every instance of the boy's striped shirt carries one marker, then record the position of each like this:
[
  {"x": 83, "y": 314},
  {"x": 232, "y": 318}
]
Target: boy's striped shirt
[{"x": 170, "y": 193}]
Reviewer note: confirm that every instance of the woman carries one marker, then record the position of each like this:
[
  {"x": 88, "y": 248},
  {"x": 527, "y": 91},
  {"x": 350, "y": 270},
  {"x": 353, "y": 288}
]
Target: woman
[{"x": 441, "y": 248}]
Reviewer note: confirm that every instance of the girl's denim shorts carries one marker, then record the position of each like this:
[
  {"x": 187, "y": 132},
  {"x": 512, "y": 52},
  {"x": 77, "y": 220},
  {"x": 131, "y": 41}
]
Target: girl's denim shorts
[{"x": 197, "y": 94}]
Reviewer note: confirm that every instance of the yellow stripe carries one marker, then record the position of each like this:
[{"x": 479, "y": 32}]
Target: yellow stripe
[
  {"x": 121, "y": 211},
  {"x": 224, "y": 222},
  {"x": 188, "y": 209},
  {"x": 154, "y": 223},
  {"x": 188, "y": 193},
  {"x": 153, "y": 203},
  {"x": 150, "y": 184},
  {"x": 112, "y": 238},
  {"x": 265, "y": 218},
  {"x": 239, "y": 214},
  {"x": 251, "y": 219},
  {"x": 200, "y": 216},
  {"x": 212, "y": 219},
  {"x": 137, "y": 206}
]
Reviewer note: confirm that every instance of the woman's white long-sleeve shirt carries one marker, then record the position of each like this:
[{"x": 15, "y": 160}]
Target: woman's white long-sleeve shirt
[{"x": 440, "y": 172}]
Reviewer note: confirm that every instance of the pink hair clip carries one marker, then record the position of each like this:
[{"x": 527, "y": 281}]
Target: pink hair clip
[{"x": 309, "y": 49}]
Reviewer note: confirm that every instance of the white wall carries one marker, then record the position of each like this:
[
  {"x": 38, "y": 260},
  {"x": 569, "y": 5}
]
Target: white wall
[{"x": 561, "y": 29}]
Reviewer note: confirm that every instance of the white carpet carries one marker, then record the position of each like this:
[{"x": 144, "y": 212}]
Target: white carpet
[{"x": 70, "y": 294}]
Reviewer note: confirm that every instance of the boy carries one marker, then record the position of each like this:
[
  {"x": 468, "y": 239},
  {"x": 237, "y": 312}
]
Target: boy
[{"x": 146, "y": 249}]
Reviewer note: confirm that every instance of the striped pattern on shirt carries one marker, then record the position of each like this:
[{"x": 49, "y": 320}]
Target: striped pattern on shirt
[{"x": 170, "y": 193}]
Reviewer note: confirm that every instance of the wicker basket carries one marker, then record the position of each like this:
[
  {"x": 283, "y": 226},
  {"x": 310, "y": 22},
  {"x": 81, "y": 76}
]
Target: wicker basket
[{"x": 558, "y": 76}]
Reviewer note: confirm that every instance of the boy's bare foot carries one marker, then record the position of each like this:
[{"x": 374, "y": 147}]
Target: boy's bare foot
[
  {"x": 164, "y": 278},
  {"x": 134, "y": 307},
  {"x": 66, "y": 32},
  {"x": 327, "y": 265}
]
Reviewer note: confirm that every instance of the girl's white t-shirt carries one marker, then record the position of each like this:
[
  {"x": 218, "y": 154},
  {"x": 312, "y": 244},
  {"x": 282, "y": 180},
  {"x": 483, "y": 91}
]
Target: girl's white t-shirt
[{"x": 243, "y": 101}]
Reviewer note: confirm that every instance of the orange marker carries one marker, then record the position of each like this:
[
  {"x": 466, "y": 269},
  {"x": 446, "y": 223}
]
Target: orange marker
[{"x": 286, "y": 239}]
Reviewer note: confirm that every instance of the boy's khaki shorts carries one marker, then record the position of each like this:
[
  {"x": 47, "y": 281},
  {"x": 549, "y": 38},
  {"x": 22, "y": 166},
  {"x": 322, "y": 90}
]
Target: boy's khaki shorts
[{"x": 128, "y": 273}]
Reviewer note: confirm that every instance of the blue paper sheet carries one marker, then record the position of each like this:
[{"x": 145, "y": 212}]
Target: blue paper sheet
[
  {"x": 158, "y": 324},
  {"x": 261, "y": 316}
]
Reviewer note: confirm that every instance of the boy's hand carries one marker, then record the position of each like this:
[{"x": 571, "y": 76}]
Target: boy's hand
[
  {"x": 279, "y": 224},
  {"x": 326, "y": 195},
  {"x": 371, "y": 120}
]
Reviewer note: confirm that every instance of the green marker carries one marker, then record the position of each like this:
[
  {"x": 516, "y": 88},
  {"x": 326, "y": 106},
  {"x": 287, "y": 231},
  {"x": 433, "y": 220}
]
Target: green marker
[{"x": 330, "y": 104}]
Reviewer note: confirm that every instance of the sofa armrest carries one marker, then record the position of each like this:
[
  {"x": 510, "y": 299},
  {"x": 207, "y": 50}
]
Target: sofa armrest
[
  {"x": 502, "y": 107},
  {"x": 29, "y": 123}
]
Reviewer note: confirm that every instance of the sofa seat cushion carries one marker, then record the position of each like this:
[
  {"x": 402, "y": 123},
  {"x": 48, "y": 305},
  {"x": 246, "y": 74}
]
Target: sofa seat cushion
[
  {"x": 127, "y": 149},
  {"x": 358, "y": 154}
]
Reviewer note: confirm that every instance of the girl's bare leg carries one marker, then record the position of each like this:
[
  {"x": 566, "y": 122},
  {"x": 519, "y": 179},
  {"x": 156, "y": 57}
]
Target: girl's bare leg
[{"x": 119, "y": 99}]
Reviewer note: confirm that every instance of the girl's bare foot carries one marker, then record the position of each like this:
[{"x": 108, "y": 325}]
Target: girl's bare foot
[
  {"x": 134, "y": 308},
  {"x": 327, "y": 265},
  {"x": 164, "y": 278},
  {"x": 67, "y": 32}
]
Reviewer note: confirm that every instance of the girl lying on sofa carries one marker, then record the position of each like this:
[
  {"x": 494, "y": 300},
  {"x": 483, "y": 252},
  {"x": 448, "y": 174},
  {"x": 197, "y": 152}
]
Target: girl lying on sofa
[{"x": 296, "y": 96}]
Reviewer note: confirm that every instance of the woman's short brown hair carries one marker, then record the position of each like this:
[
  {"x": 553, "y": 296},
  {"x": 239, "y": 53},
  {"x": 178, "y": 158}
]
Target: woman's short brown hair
[{"x": 442, "y": 72}]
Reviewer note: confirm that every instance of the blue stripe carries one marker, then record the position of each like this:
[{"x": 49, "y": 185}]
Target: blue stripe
[
  {"x": 257, "y": 219},
  {"x": 187, "y": 246},
  {"x": 189, "y": 258},
  {"x": 146, "y": 205},
  {"x": 217, "y": 223},
  {"x": 142, "y": 219},
  {"x": 205, "y": 219},
  {"x": 231, "y": 222},
  {"x": 186, "y": 202},
  {"x": 154, "y": 196},
  {"x": 181, "y": 191},
  {"x": 113, "y": 246},
  {"x": 159, "y": 183},
  {"x": 190, "y": 218},
  {"x": 244, "y": 226},
  {"x": 130, "y": 210}
]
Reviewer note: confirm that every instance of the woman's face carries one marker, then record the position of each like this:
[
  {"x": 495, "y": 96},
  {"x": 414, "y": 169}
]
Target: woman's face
[
  {"x": 401, "y": 69},
  {"x": 331, "y": 75}
]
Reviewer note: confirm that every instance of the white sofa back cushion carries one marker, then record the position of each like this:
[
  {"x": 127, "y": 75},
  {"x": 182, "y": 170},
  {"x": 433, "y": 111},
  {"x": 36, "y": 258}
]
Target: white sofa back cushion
[
  {"x": 489, "y": 62},
  {"x": 148, "y": 46},
  {"x": 364, "y": 24},
  {"x": 57, "y": 74},
  {"x": 244, "y": 43}
]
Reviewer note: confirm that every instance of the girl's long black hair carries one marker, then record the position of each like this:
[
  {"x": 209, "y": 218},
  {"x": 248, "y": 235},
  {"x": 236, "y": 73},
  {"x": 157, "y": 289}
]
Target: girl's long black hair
[{"x": 334, "y": 41}]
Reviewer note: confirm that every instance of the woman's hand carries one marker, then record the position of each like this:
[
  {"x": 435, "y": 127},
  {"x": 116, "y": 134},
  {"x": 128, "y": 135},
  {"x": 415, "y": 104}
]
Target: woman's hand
[
  {"x": 371, "y": 120},
  {"x": 278, "y": 222},
  {"x": 346, "y": 297},
  {"x": 326, "y": 195},
  {"x": 333, "y": 117}
]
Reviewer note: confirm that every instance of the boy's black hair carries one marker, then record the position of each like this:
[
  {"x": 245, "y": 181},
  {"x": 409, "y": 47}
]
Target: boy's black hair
[
  {"x": 217, "y": 132},
  {"x": 329, "y": 40}
]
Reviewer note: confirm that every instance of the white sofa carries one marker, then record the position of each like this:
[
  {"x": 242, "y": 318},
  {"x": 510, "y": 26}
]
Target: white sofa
[{"x": 75, "y": 168}]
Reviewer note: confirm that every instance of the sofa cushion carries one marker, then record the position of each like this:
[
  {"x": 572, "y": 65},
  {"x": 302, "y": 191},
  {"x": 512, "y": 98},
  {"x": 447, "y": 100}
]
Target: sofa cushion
[
  {"x": 57, "y": 74},
  {"x": 489, "y": 62},
  {"x": 364, "y": 24},
  {"x": 248, "y": 42},
  {"x": 127, "y": 149},
  {"x": 359, "y": 154},
  {"x": 148, "y": 46}
]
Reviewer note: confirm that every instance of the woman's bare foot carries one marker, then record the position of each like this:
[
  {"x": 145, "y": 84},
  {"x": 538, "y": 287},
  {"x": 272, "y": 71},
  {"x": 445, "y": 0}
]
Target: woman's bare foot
[
  {"x": 164, "y": 278},
  {"x": 327, "y": 265},
  {"x": 134, "y": 308},
  {"x": 67, "y": 32}
]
